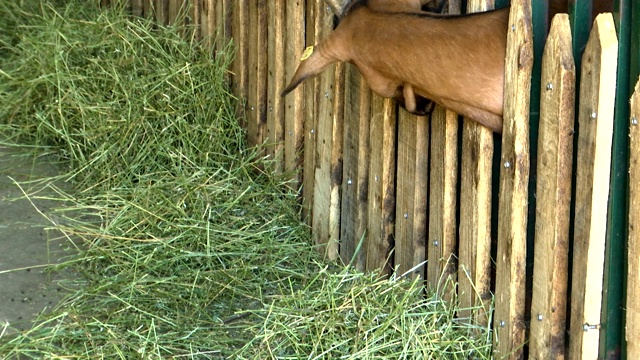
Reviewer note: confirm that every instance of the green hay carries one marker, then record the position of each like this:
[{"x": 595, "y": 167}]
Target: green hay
[{"x": 186, "y": 249}]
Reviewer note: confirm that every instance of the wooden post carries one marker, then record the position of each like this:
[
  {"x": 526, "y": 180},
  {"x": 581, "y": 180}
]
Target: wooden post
[
  {"x": 381, "y": 213},
  {"x": 411, "y": 193},
  {"x": 474, "y": 256},
  {"x": 147, "y": 8},
  {"x": 441, "y": 242},
  {"x": 161, "y": 11},
  {"x": 633, "y": 268},
  {"x": 257, "y": 91},
  {"x": 293, "y": 103},
  {"x": 240, "y": 31},
  {"x": 509, "y": 322},
  {"x": 276, "y": 78},
  {"x": 312, "y": 99},
  {"x": 555, "y": 146},
  {"x": 595, "y": 128},
  {"x": 441, "y": 245},
  {"x": 173, "y": 11},
  {"x": 328, "y": 165},
  {"x": 206, "y": 19},
  {"x": 137, "y": 7},
  {"x": 355, "y": 179}
]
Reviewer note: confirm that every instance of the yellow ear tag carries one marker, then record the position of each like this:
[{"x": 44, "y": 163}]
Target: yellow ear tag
[{"x": 307, "y": 53}]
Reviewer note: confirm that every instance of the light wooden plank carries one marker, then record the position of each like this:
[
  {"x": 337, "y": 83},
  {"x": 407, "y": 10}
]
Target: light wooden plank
[
  {"x": 161, "y": 11},
  {"x": 276, "y": 79},
  {"x": 380, "y": 220},
  {"x": 240, "y": 65},
  {"x": 312, "y": 98},
  {"x": 294, "y": 103},
  {"x": 595, "y": 127},
  {"x": 328, "y": 153},
  {"x": 509, "y": 321},
  {"x": 632, "y": 332},
  {"x": 194, "y": 18},
  {"x": 441, "y": 245},
  {"x": 474, "y": 254},
  {"x": 209, "y": 18},
  {"x": 207, "y": 29},
  {"x": 553, "y": 189},
  {"x": 335, "y": 217},
  {"x": 411, "y": 194}
]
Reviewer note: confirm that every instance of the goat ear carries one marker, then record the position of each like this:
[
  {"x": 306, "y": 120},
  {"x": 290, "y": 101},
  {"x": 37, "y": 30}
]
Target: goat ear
[{"x": 311, "y": 64}]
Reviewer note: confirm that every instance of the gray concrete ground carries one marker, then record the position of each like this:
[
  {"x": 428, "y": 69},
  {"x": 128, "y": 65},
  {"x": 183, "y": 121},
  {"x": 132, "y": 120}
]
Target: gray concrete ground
[{"x": 26, "y": 246}]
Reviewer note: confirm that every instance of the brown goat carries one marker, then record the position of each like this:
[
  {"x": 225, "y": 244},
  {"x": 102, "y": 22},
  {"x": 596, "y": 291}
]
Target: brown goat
[{"x": 406, "y": 54}]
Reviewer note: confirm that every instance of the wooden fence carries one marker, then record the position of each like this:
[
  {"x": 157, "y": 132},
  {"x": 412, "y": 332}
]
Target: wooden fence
[{"x": 382, "y": 188}]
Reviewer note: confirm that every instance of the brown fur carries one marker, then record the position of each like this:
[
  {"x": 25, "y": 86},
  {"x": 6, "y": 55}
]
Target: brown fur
[{"x": 456, "y": 61}]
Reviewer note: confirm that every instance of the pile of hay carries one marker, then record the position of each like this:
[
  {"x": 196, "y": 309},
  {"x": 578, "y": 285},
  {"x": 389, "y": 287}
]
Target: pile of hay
[{"x": 186, "y": 249}]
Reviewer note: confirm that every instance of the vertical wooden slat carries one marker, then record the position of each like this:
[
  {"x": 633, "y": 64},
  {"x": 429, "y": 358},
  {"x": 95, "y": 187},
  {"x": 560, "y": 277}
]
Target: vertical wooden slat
[
  {"x": 294, "y": 110},
  {"x": 312, "y": 98},
  {"x": 509, "y": 322},
  {"x": 328, "y": 166},
  {"x": 194, "y": 15},
  {"x": 147, "y": 8},
  {"x": 349, "y": 211},
  {"x": 161, "y": 11},
  {"x": 474, "y": 255},
  {"x": 276, "y": 80},
  {"x": 441, "y": 244},
  {"x": 257, "y": 91},
  {"x": 595, "y": 127},
  {"x": 411, "y": 193},
  {"x": 253, "y": 133},
  {"x": 632, "y": 333},
  {"x": 355, "y": 167},
  {"x": 223, "y": 24},
  {"x": 555, "y": 146},
  {"x": 335, "y": 216},
  {"x": 208, "y": 22},
  {"x": 381, "y": 203},
  {"x": 240, "y": 31},
  {"x": 137, "y": 7},
  {"x": 173, "y": 9}
]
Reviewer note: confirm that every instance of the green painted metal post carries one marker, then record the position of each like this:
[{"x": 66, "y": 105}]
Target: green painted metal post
[
  {"x": 612, "y": 335},
  {"x": 580, "y": 17}
]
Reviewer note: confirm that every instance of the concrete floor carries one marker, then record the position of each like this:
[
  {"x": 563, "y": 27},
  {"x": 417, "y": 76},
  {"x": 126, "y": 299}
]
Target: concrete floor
[{"x": 26, "y": 246}]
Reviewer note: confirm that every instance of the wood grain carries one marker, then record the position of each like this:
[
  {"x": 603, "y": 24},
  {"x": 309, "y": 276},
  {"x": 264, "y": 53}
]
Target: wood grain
[
  {"x": 595, "y": 133},
  {"x": 553, "y": 189},
  {"x": 474, "y": 254},
  {"x": 382, "y": 158},
  {"x": 294, "y": 103},
  {"x": 276, "y": 80},
  {"x": 509, "y": 321},
  {"x": 411, "y": 194},
  {"x": 632, "y": 333}
]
